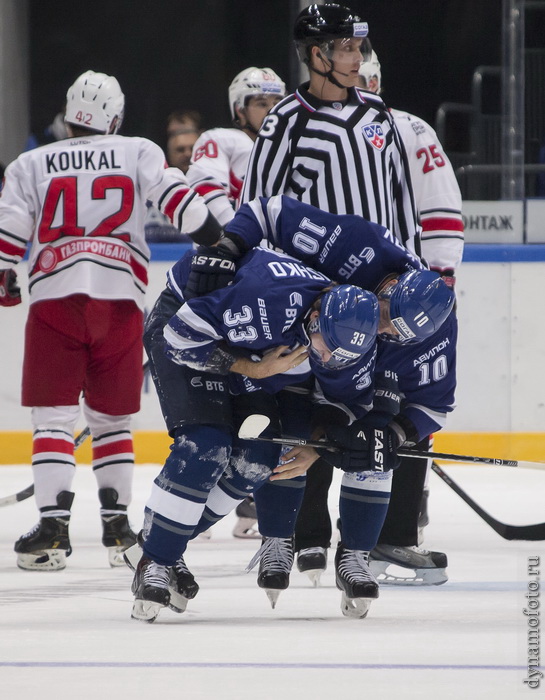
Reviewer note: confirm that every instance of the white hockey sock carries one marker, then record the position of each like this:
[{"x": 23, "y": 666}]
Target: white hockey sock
[{"x": 53, "y": 462}]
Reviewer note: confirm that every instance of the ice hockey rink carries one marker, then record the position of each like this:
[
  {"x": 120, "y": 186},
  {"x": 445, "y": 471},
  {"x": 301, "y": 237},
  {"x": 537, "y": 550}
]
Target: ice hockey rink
[{"x": 69, "y": 634}]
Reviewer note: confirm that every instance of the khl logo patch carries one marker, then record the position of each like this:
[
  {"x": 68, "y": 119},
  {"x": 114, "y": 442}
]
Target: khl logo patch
[{"x": 375, "y": 135}]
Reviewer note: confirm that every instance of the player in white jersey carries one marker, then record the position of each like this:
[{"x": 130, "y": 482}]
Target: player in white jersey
[
  {"x": 436, "y": 191},
  {"x": 219, "y": 162},
  {"x": 220, "y": 156},
  {"x": 438, "y": 203},
  {"x": 79, "y": 205}
]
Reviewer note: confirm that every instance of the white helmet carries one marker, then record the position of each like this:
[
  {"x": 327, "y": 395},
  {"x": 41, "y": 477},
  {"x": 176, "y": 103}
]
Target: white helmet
[
  {"x": 95, "y": 102},
  {"x": 254, "y": 81},
  {"x": 371, "y": 69}
]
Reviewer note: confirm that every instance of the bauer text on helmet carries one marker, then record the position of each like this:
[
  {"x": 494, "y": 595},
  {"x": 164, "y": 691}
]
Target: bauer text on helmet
[
  {"x": 348, "y": 322},
  {"x": 95, "y": 102},
  {"x": 251, "y": 82},
  {"x": 420, "y": 302}
]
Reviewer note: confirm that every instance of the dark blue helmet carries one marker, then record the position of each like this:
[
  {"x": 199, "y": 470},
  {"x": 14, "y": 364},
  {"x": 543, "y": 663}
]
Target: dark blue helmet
[
  {"x": 420, "y": 303},
  {"x": 348, "y": 323}
]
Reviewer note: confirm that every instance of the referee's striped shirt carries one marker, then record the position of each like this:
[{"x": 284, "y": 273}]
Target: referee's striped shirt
[{"x": 343, "y": 157}]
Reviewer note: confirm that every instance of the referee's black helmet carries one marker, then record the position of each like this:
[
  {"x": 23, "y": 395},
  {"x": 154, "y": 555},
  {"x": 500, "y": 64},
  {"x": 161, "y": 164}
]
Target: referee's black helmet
[{"x": 317, "y": 25}]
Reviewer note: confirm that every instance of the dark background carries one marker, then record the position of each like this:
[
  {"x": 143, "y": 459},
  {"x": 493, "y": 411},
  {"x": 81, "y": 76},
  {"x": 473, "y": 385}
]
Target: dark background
[{"x": 171, "y": 55}]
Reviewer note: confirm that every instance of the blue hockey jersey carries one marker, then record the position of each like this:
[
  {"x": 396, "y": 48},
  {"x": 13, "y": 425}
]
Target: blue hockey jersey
[
  {"x": 346, "y": 248},
  {"x": 351, "y": 250},
  {"x": 263, "y": 308}
]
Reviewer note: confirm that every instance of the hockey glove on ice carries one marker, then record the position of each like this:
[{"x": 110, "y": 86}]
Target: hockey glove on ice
[
  {"x": 212, "y": 267},
  {"x": 363, "y": 448},
  {"x": 10, "y": 292}
]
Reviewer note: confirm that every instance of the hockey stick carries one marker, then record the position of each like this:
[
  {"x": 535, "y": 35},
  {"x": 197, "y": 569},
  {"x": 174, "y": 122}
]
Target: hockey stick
[
  {"x": 492, "y": 461},
  {"x": 508, "y": 532},
  {"x": 255, "y": 424},
  {"x": 29, "y": 491}
]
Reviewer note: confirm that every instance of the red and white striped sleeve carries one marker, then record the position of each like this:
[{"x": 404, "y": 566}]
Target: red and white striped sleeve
[{"x": 437, "y": 194}]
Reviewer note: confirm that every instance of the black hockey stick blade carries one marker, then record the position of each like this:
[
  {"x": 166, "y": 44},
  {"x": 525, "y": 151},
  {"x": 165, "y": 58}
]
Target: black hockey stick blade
[{"x": 532, "y": 533}]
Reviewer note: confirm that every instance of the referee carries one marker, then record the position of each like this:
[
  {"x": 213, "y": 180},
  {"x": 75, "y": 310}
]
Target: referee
[
  {"x": 331, "y": 144},
  {"x": 335, "y": 146}
]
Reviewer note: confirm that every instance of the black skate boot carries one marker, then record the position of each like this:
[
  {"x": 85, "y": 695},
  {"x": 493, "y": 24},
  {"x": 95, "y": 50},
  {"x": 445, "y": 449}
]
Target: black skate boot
[
  {"x": 354, "y": 578},
  {"x": 117, "y": 535},
  {"x": 47, "y": 545},
  {"x": 312, "y": 561},
  {"x": 408, "y": 566},
  {"x": 246, "y": 525},
  {"x": 275, "y": 558},
  {"x": 150, "y": 589},
  {"x": 182, "y": 587}
]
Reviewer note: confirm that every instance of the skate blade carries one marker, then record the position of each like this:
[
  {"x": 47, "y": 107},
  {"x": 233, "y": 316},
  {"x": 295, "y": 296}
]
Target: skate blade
[
  {"x": 132, "y": 556},
  {"x": 246, "y": 529},
  {"x": 397, "y": 576},
  {"x": 314, "y": 576},
  {"x": 115, "y": 556},
  {"x": 272, "y": 595},
  {"x": 45, "y": 560},
  {"x": 356, "y": 608},
  {"x": 145, "y": 610},
  {"x": 178, "y": 602}
]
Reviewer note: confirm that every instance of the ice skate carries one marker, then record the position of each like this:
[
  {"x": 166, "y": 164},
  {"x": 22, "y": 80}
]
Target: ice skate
[
  {"x": 117, "y": 535},
  {"x": 246, "y": 525},
  {"x": 275, "y": 558},
  {"x": 408, "y": 566},
  {"x": 182, "y": 586},
  {"x": 312, "y": 561},
  {"x": 45, "y": 547},
  {"x": 150, "y": 589},
  {"x": 356, "y": 582}
]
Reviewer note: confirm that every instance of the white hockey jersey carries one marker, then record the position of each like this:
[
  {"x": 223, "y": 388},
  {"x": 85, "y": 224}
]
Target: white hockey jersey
[
  {"x": 217, "y": 170},
  {"x": 436, "y": 192},
  {"x": 80, "y": 203}
]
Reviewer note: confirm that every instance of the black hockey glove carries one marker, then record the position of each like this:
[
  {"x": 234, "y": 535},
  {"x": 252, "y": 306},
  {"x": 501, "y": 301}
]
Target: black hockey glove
[
  {"x": 212, "y": 267},
  {"x": 10, "y": 292},
  {"x": 363, "y": 448}
]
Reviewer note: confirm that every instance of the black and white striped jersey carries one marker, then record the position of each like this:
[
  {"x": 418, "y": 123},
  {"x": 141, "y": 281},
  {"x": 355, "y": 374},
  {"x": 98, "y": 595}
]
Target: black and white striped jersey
[{"x": 342, "y": 157}]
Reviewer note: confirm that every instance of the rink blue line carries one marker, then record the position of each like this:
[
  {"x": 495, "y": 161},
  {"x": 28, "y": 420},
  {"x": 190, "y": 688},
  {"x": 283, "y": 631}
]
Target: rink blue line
[
  {"x": 295, "y": 666},
  {"x": 473, "y": 252}
]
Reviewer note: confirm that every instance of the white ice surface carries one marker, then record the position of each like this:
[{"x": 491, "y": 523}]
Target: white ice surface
[{"x": 69, "y": 634}]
